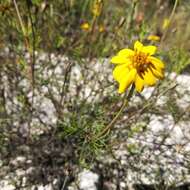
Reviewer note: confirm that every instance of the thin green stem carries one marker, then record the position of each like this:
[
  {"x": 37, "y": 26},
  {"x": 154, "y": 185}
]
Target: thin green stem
[
  {"x": 170, "y": 19},
  {"x": 130, "y": 17},
  {"x": 19, "y": 18},
  {"x": 113, "y": 121}
]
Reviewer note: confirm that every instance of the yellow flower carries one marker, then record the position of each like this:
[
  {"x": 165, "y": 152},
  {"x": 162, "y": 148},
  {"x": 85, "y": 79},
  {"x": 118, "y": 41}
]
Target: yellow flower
[
  {"x": 137, "y": 67},
  {"x": 101, "y": 28},
  {"x": 85, "y": 26},
  {"x": 166, "y": 23},
  {"x": 153, "y": 38},
  {"x": 97, "y": 8}
]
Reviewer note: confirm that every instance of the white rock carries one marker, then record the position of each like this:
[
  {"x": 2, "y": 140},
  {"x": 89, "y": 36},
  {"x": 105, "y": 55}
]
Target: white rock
[
  {"x": 122, "y": 184},
  {"x": 76, "y": 72},
  {"x": 5, "y": 185},
  {"x": 88, "y": 180},
  {"x": 183, "y": 80},
  {"x": 159, "y": 123},
  {"x": 58, "y": 70},
  {"x": 184, "y": 101},
  {"x": 46, "y": 187},
  {"x": 177, "y": 135},
  {"x": 147, "y": 92},
  {"x": 18, "y": 160}
]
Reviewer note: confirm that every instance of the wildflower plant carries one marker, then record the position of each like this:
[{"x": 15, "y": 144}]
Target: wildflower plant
[{"x": 136, "y": 68}]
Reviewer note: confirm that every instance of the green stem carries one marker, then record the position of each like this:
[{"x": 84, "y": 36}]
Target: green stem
[
  {"x": 170, "y": 19},
  {"x": 111, "y": 124},
  {"x": 19, "y": 18},
  {"x": 130, "y": 17}
]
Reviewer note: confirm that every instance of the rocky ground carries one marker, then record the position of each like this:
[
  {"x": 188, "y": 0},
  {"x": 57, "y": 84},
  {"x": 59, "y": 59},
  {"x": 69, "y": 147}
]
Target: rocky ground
[{"x": 151, "y": 142}]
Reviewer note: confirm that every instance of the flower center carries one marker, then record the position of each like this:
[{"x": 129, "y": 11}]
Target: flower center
[{"x": 140, "y": 61}]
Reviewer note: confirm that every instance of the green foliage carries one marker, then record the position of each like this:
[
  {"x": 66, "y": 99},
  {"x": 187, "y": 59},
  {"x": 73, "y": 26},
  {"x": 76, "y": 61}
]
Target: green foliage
[
  {"x": 179, "y": 60},
  {"x": 81, "y": 129}
]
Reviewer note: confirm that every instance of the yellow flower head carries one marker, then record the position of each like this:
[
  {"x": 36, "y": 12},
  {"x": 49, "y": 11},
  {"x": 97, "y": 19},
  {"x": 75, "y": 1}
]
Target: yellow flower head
[
  {"x": 85, "y": 26},
  {"x": 97, "y": 7},
  {"x": 101, "y": 28},
  {"x": 153, "y": 38},
  {"x": 137, "y": 67}
]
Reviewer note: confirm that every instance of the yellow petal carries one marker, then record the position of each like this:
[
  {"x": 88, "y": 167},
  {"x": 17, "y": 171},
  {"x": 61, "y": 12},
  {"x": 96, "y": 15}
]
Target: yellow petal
[
  {"x": 138, "y": 46},
  {"x": 153, "y": 38},
  {"x": 126, "y": 52},
  {"x": 120, "y": 71},
  {"x": 158, "y": 73},
  {"x": 150, "y": 50},
  {"x": 127, "y": 81},
  {"x": 120, "y": 60},
  {"x": 139, "y": 83},
  {"x": 149, "y": 78},
  {"x": 156, "y": 62}
]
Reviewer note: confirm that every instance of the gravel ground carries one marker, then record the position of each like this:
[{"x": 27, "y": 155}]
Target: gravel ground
[{"x": 154, "y": 151}]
